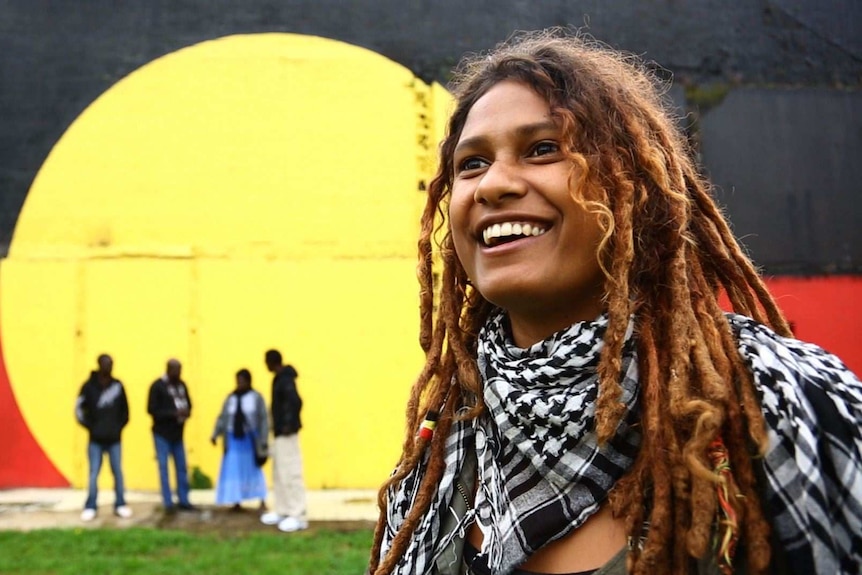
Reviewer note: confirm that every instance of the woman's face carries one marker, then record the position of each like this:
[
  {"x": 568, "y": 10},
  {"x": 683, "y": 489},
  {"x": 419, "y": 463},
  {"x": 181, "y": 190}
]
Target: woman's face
[
  {"x": 241, "y": 383},
  {"x": 526, "y": 245}
]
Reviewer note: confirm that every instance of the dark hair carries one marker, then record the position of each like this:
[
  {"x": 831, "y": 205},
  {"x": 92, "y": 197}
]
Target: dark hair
[
  {"x": 273, "y": 356},
  {"x": 667, "y": 254},
  {"x": 244, "y": 373}
]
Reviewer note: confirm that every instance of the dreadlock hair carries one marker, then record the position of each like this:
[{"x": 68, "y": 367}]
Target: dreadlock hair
[{"x": 667, "y": 254}]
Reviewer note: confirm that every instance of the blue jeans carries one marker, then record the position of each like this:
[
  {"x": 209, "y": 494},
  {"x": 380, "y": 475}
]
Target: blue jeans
[
  {"x": 177, "y": 450},
  {"x": 95, "y": 453}
]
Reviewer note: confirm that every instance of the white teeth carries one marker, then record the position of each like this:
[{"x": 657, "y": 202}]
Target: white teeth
[{"x": 507, "y": 229}]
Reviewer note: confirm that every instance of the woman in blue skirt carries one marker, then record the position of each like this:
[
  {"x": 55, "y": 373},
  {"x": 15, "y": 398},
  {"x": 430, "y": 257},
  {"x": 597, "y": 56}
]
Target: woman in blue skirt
[{"x": 244, "y": 426}]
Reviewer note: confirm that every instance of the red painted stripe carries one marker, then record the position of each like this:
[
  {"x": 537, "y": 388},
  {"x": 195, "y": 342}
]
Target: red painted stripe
[
  {"x": 824, "y": 310},
  {"x": 23, "y": 463}
]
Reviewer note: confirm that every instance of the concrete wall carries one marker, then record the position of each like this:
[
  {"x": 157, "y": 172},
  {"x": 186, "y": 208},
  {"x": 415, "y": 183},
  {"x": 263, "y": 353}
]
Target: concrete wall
[
  {"x": 250, "y": 192},
  {"x": 191, "y": 190},
  {"x": 785, "y": 165}
]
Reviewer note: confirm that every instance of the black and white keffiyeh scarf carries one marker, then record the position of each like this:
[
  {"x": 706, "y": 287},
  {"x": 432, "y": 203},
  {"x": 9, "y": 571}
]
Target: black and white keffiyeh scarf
[
  {"x": 541, "y": 473},
  {"x": 813, "y": 409}
]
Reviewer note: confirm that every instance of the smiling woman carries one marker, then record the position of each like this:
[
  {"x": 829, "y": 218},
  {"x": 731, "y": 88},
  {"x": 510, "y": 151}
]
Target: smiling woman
[
  {"x": 586, "y": 404},
  {"x": 511, "y": 172}
]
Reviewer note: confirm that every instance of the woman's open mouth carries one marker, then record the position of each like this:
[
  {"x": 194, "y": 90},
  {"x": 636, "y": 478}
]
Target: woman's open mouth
[{"x": 506, "y": 232}]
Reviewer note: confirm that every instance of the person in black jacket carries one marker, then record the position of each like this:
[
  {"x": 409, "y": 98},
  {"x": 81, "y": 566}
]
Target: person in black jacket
[
  {"x": 170, "y": 406},
  {"x": 287, "y": 484},
  {"x": 102, "y": 408}
]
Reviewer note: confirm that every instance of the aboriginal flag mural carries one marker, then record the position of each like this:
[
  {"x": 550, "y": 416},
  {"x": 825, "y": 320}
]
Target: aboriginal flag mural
[
  {"x": 205, "y": 182},
  {"x": 248, "y": 192}
]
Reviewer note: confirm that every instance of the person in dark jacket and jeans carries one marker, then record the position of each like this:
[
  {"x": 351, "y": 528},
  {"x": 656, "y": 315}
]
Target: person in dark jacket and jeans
[
  {"x": 287, "y": 483},
  {"x": 102, "y": 408},
  {"x": 170, "y": 406}
]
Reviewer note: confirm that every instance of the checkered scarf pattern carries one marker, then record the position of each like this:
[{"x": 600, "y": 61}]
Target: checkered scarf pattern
[
  {"x": 541, "y": 473},
  {"x": 813, "y": 409}
]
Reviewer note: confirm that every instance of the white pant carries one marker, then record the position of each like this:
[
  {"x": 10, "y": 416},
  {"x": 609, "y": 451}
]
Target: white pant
[{"x": 287, "y": 486}]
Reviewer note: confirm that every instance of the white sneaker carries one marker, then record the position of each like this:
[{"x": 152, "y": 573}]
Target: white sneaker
[
  {"x": 88, "y": 514},
  {"x": 123, "y": 511},
  {"x": 291, "y": 524},
  {"x": 271, "y": 518}
]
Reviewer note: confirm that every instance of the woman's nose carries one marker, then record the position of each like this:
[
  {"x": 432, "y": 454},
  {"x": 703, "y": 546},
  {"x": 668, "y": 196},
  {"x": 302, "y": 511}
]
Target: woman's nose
[{"x": 501, "y": 181}]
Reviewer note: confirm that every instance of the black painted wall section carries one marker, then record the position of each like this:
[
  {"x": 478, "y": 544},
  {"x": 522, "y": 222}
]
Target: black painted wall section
[
  {"x": 786, "y": 166},
  {"x": 58, "y": 56}
]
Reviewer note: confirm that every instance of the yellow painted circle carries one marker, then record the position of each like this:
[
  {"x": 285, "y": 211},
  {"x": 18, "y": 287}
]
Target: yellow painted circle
[{"x": 244, "y": 193}]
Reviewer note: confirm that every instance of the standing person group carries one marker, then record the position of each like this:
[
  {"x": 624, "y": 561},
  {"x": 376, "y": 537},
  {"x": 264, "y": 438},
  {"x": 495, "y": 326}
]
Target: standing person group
[{"x": 243, "y": 424}]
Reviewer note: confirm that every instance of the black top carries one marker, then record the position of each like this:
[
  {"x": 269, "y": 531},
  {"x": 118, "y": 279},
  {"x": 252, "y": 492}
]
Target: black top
[
  {"x": 477, "y": 564},
  {"x": 103, "y": 410},
  {"x": 164, "y": 402},
  {"x": 286, "y": 403}
]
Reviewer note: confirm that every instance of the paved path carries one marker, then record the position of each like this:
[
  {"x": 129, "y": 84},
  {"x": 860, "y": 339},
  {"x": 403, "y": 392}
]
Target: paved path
[{"x": 26, "y": 509}]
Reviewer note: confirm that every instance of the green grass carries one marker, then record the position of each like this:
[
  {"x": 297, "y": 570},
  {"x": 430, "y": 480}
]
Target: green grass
[{"x": 162, "y": 552}]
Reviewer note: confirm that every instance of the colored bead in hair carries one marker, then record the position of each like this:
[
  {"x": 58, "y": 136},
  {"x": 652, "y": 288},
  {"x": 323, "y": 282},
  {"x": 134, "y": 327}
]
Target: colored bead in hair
[
  {"x": 728, "y": 523},
  {"x": 426, "y": 430}
]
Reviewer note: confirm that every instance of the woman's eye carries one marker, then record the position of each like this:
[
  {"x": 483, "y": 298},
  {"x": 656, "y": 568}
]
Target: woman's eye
[
  {"x": 471, "y": 164},
  {"x": 545, "y": 148}
]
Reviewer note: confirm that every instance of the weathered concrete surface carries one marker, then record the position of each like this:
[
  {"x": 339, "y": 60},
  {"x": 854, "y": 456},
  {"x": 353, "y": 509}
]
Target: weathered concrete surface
[
  {"x": 27, "y": 509},
  {"x": 786, "y": 166}
]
